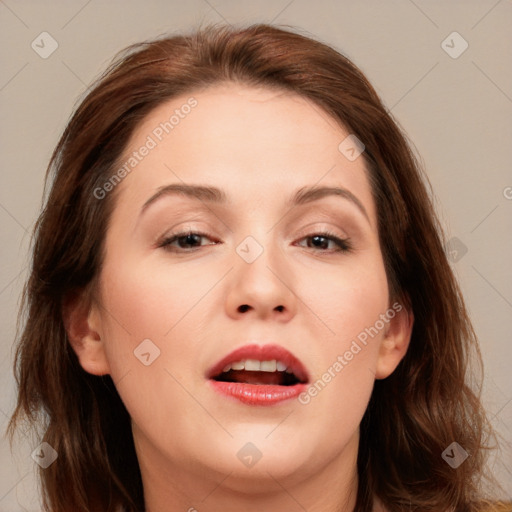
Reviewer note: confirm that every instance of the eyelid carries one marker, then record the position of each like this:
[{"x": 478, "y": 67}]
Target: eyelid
[
  {"x": 323, "y": 226},
  {"x": 173, "y": 235},
  {"x": 188, "y": 226}
]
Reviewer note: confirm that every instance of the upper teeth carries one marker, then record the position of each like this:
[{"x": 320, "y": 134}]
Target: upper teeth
[{"x": 253, "y": 365}]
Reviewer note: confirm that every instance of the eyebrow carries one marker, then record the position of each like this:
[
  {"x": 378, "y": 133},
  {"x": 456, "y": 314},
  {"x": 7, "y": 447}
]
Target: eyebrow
[{"x": 210, "y": 194}]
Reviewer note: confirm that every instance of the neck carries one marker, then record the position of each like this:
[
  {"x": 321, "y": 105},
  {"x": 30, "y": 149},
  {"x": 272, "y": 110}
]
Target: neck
[{"x": 174, "y": 486}]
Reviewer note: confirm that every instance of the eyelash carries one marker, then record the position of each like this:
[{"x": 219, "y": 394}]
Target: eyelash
[{"x": 344, "y": 244}]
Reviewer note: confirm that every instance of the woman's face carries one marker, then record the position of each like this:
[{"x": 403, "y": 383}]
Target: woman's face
[{"x": 255, "y": 272}]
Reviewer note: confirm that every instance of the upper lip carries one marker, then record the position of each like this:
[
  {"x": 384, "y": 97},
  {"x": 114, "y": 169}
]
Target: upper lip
[{"x": 261, "y": 353}]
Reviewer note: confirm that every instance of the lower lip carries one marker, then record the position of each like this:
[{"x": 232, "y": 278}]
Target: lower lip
[{"x": 258, "y": 394}]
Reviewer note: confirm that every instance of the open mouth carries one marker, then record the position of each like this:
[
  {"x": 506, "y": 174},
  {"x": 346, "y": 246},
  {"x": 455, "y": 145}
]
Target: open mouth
[
  {"x": 259, "y": 375},
  {"x": 252, "y": 371}
]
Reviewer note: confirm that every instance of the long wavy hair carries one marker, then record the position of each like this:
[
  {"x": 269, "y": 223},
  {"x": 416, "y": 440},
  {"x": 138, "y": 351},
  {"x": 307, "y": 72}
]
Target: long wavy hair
[{"x": 431, "y": 399}]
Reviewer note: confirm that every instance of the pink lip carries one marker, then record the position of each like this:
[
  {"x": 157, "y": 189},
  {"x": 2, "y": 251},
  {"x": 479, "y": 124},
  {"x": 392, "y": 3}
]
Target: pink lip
[{"x": 256, "y": 394}]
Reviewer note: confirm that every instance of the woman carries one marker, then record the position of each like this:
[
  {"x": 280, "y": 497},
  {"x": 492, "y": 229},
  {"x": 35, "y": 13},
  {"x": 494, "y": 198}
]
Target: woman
[{"x": 239, "y": 297}]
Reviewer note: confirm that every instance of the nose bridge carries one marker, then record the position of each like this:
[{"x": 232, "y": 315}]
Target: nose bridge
[
  {"x": 262, "y": 279},
  {"x": 258, "y": 254},
  {"x": 260, "y": 245}
]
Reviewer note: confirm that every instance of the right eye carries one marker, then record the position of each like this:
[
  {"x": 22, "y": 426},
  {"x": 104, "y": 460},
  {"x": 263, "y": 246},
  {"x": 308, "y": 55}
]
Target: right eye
[{"x": 184, "y": 239}]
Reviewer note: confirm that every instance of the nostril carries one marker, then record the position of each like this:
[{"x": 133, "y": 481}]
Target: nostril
[{"x": 244, "y": 307}]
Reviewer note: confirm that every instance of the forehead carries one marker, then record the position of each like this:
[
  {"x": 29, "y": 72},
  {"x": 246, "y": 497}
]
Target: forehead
[{"x": 254, "y": 142}]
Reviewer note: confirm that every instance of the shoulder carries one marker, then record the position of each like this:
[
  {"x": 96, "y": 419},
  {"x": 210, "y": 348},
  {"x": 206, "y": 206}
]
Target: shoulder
[{"x": 499, "y": 506}]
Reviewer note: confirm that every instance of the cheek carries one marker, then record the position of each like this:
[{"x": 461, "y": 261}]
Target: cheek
[
  {"x": 135, "y": 318},
  {"x": 349, "y": 305},
  {"x": 144, "y": 301},
  {"x": 347, "y": 301},
  {"x": 155, "y": 321},
  {"x": 150, "y": 332}
]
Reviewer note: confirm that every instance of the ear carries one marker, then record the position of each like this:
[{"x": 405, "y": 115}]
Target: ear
[
  {"x": 82, "y": 322},
  {"x": 396, "y": 340}
]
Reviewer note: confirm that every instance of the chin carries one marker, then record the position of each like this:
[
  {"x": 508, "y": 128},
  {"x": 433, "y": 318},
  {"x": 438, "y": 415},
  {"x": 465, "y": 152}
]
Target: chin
[
  {"x": 264, "y": 475},
  {"x": 256, "y": 465}
]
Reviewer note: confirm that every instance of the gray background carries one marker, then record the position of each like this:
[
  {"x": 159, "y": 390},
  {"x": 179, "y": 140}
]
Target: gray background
[{"x": 457, "y": 111}]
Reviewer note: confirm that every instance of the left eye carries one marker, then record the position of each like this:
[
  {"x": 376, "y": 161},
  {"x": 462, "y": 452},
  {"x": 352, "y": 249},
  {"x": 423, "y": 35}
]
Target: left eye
[{"x": 321, "y": 241}]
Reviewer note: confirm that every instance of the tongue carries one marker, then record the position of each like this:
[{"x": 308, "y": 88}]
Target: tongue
[{"x": 275, "y": 378}]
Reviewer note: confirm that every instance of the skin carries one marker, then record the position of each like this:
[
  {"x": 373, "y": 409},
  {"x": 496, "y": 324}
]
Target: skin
[{"x": 259, "y": 146}]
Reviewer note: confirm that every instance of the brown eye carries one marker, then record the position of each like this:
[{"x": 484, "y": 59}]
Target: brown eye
[
  {"x": 185, "y": 241},
  {"x": 321, "y": 241}
]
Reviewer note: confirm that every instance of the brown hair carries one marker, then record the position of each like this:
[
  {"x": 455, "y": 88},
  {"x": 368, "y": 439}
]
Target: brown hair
[{"x": 413, "y": 415}]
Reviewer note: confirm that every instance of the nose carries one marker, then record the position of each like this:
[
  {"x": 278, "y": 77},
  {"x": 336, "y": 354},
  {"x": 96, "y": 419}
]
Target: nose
[{"x": 262, "y": 288}]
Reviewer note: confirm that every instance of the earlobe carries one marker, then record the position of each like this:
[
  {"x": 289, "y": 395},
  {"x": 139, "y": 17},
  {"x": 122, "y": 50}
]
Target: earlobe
[
  {"x": 82, "y": 322},
  {"x": 395, "y": 343}
]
